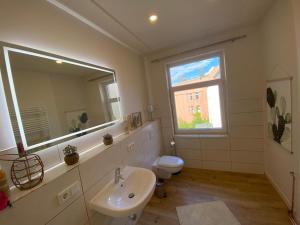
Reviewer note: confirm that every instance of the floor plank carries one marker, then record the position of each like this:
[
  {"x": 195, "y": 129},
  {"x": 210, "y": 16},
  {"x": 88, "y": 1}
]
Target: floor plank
[{"x": 251, "y": 198}]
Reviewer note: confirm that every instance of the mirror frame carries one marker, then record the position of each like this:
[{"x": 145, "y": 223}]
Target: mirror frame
[{"x": 5, "y": 49}]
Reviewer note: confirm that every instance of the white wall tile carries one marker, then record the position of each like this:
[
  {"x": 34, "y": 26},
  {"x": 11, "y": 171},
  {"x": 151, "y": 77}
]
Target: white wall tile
[
  {"x": 167, "y": 135},
  {"x": 152, "y": 145},
  {"x": 247, "y": 132},
  {"x": 248, "y": 168},
  {"x": 75, "y": 214},
  {"x": 216, "y": 155},
  {"x": 193, "y": 163},
  {"x": 247, "y": 144},
  {"x": 244, "y": 119},
  {"x": 189, "y": 154},
  {"x": 246, "y": 105},
  {"x": 94, "y": 169},
  {"x": 213, "y": 165},
  {"x": 50, "y": 157},
  {"x": 215, "y": 144},
  {"x": 247, "y": 157},
  {"x": 137, "y": 156},
  {"x": 187, "y": 143}
]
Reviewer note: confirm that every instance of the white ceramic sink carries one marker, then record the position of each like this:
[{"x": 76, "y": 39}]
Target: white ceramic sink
[{"x": 127, "y": 197}]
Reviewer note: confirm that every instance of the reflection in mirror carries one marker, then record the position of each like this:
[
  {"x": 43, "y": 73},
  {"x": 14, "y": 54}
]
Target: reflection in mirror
[{"x": 54, "y": 98}]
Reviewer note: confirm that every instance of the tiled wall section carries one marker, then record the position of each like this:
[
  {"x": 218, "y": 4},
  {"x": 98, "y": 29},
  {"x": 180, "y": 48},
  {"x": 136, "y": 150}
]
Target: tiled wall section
[
  {"x": 241, "y": 151},
  {"x": 41, "y": 206}
]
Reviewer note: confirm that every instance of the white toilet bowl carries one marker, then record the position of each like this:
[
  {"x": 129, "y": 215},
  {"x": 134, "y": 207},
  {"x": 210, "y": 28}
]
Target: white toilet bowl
[{"x": 165, "y": 166}]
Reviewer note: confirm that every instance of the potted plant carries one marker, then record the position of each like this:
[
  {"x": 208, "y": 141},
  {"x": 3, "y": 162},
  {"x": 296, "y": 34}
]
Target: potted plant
[
  {"x": 71, "y": 155},
  {"x": 108, "y": 139}
]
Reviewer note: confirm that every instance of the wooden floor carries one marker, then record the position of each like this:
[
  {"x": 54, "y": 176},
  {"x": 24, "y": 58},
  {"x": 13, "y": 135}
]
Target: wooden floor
[{"x": 251, "y": 198}]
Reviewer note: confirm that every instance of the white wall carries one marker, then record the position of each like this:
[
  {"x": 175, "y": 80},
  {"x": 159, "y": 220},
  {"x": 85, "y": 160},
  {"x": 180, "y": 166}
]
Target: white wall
[
  {"x": 296, "y": 8},
  {"x": 242, "y": 149},
  {"x": 7, "y": 141},
  {"x": 40, "y": 25},
  {"x": 280, "y": 60},
  {"x": 70, "y": 94}
]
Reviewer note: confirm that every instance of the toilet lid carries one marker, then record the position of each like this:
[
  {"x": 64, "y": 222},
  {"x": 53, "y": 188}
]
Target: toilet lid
[{"x": 170, "y": 161}]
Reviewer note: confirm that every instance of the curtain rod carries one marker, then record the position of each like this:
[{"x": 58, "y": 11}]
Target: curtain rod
[{"x": 199, "y": 48}]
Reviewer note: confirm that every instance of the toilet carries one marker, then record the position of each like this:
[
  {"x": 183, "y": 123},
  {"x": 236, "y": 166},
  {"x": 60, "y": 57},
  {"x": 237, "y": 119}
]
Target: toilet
[{"x": 165, "y": 166}]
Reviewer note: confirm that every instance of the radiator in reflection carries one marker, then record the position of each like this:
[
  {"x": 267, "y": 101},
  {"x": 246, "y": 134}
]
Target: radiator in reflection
[{"x": 35, "y": 123}]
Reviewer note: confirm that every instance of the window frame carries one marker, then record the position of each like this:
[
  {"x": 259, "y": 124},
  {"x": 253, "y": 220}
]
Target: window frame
[
  {"x": 222, "y": 94},
  {"x": 106, "y": 100}
]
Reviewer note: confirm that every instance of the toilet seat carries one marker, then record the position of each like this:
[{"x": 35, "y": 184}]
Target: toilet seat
[
  {"x": 170, "y": 161},
  {"x": 165, "y": 166}
]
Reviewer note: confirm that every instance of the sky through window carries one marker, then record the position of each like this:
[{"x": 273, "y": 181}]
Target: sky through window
[{"x": 192, "y": 70}]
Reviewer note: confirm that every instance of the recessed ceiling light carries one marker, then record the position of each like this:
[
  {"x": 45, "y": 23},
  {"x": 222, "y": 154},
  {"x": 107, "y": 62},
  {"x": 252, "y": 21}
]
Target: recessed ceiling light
[
  {"x": 153, "y": 18},
  {"x": 59, "y": 61}
]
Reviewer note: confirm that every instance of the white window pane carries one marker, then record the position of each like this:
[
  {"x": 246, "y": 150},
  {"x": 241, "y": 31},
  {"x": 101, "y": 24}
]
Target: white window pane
[
  {"x": 116, "y": 114},
  {"x": 112, "y": 90},
  {"x": 200, "y": 113},
  {"x": 214, "y": 107},
  {"x": 195, "y": 72}
]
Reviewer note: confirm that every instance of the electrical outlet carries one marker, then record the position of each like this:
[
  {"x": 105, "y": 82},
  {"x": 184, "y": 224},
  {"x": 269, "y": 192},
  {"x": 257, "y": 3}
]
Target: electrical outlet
[
  {"x": 69, "y": 192},
  {"x": 130, "y": 147},
  {"x": 64, "y": 196}
]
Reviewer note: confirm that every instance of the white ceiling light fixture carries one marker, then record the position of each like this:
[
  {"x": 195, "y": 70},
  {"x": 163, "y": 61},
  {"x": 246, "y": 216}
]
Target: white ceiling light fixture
[
  {"x": 59, "y": 61},
  {"x": 153, "y": 18}
]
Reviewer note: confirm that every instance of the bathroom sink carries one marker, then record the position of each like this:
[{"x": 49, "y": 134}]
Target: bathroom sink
[{"x": 127, "y": 197}]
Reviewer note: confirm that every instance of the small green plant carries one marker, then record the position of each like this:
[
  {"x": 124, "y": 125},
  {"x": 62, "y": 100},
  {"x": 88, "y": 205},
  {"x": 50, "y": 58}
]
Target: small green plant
[
  {"x": 69, "y": 150},
  {"x": 197, "y": 120}
]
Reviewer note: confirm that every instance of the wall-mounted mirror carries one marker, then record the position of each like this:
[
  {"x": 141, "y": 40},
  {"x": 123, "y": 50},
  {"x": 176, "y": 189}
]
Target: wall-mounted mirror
[{"x": 52, "y": 98}]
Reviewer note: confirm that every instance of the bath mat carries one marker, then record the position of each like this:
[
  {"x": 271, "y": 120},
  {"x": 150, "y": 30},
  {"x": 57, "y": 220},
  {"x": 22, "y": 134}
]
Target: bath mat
[{"x": 207, "y": 213}]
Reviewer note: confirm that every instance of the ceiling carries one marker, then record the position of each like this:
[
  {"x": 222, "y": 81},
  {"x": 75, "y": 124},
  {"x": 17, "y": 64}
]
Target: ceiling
[{"x": 179, "y": 21}]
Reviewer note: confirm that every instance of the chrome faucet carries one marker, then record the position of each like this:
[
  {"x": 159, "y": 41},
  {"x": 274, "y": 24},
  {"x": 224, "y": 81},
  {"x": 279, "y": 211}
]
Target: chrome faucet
[{"x": 118, "y": 175}]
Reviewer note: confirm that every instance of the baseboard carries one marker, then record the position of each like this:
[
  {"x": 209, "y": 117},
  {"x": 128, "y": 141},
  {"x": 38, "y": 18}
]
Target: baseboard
[{"x": 281, "y": 194}]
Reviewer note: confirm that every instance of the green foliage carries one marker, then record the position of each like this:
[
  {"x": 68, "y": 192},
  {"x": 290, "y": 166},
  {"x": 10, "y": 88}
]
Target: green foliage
[
  {"x": 279, "y": 117},
  {"x": 69, "y": 150},
  {"x": 197, "y": 120},
  {"x": 184, "y": 125}
]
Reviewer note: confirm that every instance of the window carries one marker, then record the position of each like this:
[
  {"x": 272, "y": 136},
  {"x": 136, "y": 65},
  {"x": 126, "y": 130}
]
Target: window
[
  {"x": 112, "y": 99},
  {"x": 197, "y": 95},
  {"x": 189, "y": 97}
]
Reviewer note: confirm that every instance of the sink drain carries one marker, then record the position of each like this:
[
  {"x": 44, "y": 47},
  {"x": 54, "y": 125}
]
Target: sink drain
[{"x": 131, "y": 195}]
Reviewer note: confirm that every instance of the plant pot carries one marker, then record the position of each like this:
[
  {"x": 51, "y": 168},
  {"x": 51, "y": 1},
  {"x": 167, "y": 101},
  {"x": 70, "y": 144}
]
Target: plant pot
[
  {"x": 108, "y": 139},
  {"x": 72, "y": 158}
]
